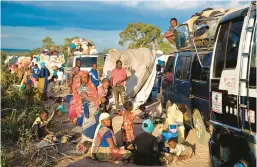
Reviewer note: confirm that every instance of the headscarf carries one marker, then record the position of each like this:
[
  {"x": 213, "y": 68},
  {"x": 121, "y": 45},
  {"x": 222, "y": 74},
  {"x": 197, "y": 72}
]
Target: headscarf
[
  {"x": 42, "y": 64},
  {"x": 148, "y": 126},
  {"x": 92, "y": 91},
  {"x": 102, "y": 117}
]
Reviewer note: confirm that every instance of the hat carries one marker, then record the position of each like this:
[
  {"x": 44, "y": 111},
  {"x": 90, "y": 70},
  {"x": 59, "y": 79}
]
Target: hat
[{"x": 148, "y": 126}]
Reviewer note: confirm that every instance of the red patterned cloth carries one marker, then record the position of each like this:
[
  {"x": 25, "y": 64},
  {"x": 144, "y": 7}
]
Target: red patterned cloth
[{"x": 127, "y": 128}]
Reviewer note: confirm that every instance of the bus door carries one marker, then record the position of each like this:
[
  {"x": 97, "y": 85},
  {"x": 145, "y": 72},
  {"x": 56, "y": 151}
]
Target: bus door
[
  {"x": 182, "y": 85},
  {"x": 167, "y": 80}
]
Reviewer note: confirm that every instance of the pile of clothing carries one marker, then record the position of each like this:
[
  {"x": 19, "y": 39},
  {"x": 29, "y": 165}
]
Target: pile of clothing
[
  {"x": 82, "y": 46},
  {"x": 24, "y": 62},
  {"x": 51, "y": 58}
]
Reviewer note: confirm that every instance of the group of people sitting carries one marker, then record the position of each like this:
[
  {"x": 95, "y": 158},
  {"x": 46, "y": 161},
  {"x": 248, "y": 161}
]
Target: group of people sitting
[{"x": 89, "y": 109}]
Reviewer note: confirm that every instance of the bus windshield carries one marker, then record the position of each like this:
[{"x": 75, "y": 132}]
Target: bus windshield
[{"x": 86, "y": 61}]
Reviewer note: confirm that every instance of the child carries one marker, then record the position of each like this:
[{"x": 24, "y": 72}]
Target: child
[
  {"x": 145, "y": 112},
  {"x": 59, "y": 77},
  {"x": 127, "y": 128},
  {"x": 39, "y": 129},
  {"x": 60, "y": 107},
  {"x": 146, "y": 145},
  {"x": 102, "y": 91}
]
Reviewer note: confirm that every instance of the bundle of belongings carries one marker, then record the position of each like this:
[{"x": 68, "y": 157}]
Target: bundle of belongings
[
  {"x": 204, "y": 35},
  {"x": 23, "y": 62},
  {"x": 205, "y": 23},
  {"x": 51, "y": 58},
  {"x": 82, "y": 46}
]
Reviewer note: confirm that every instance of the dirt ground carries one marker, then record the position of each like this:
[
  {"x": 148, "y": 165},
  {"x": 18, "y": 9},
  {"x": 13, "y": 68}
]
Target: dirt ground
[{"x": 61, "y": 124}]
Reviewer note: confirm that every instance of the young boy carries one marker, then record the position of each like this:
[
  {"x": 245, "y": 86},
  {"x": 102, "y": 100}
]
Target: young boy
[
  {"x": 127, "y": 128},
  {"x": 60, "y": 108},
  {"x": 59, "y": 77},
  {"x": 39, "y": 129}
]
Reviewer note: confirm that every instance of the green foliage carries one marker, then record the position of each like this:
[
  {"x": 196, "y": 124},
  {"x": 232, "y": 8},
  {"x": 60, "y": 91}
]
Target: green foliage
[
  {"x": 35, "y": 51},
  {"x": 139, "y": 35},
  {"x": 165, "y": 47},
  {"x": 47, "y": 43},
  {"x": 6, "y": 158},
  {"x": 3, "y": 57}
]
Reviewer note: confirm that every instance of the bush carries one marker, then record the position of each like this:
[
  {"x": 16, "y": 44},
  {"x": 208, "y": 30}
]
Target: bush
[{"x": 18, "y": 112}]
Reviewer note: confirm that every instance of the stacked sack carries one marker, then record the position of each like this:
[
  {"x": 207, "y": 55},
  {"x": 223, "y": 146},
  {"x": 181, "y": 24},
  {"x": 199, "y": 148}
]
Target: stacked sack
[{"x": 82, "y": 46}]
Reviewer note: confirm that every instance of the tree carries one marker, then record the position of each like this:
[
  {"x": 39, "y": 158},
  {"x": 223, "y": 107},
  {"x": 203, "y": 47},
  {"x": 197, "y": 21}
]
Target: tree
[
  {"x": 35, "y": 51},
  {"x": 165, "y": 47},
  {"x": 139, "y": 35},
  {"x": 47, "y": 43},
  {"x": 3, "y": 57}
]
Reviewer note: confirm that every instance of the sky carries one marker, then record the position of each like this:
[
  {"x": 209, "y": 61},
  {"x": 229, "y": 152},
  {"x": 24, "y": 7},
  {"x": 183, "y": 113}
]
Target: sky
[{"x": 25, "y": 23}]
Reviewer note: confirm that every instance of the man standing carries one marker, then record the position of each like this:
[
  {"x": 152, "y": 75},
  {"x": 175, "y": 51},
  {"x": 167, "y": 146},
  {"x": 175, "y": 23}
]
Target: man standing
[
  {"x": 118, "y": 77},
  {"x": 35, "y": 72},
  {"x": 94, "y": 75}
]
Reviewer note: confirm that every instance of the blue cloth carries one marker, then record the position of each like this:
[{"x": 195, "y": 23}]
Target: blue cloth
[
  {"x": 37, "y": 58},
  {"x": 91, "y": 122},
  {"x": 42, "y": 64},
  {"x": 73, "y": 46},
  {"x": 68, "y": 98},
  {"x": 35, "y": 72},
  {"x": 61, "y": 108},
  {"x": 55, "y": 73},
  {"x": 104, "y": 142},
  {"x": 29, "y": 81},
  {"x": 94, "y": 77},
  {"x": 148, "y": 126}
]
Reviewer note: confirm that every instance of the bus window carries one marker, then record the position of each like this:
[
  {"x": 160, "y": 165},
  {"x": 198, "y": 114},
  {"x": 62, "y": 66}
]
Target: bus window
[
  {"x": 221, "y": 50},
  {"x": 182, "y": 67},
  {"x": 227, "y": 47},
  {"x": 233, "y": 44},
  {"x": 198, "y": 72},
  {"x": 170, "y": 64},
  {"x": 252, "y": 82},
  {"x": 87, "y": 61}
]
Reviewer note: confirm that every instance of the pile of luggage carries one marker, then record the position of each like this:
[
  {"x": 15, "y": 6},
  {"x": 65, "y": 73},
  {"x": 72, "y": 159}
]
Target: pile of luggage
[{"x": 82, "y": 46}]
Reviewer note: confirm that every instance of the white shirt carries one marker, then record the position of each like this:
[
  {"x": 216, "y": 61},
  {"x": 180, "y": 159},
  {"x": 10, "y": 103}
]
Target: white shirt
[{"x": 59, "y": 75}]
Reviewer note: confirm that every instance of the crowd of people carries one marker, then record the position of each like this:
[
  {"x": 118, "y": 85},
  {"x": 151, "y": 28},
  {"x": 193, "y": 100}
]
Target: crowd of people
[{"x": 90, "y": 109}]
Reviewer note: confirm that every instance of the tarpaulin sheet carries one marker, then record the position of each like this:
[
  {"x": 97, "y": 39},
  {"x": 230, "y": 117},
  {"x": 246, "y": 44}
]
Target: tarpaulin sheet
[{"x": 138, "y": 63}]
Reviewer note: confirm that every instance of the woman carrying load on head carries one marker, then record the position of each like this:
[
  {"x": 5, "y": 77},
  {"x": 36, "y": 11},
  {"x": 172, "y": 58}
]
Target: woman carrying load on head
[
  {"x": 104, "y": 146},
  {"x": 90, "y": 110}
]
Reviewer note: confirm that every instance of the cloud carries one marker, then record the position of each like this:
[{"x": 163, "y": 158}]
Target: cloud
[{"x": 30, "y": 37}]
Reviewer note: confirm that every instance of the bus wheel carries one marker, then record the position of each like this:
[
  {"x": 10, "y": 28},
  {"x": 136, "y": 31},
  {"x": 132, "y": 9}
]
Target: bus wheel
[{"x": 202, "y": 136}]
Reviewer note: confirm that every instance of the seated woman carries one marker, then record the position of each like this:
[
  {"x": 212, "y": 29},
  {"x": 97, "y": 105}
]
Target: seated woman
[{"x": 104, "y": 146}]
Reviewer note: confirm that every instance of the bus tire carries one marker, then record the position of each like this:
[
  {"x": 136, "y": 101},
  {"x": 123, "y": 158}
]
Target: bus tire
[{"x": 202, "y": 136}]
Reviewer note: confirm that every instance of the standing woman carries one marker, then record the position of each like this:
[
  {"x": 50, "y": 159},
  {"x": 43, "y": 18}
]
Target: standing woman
[
  {"x": 43, "y": 81},
  {"x": 90, "y": 110},
  {"x": 104, "y": 146},
  {"x": 76, "y": 102}
]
